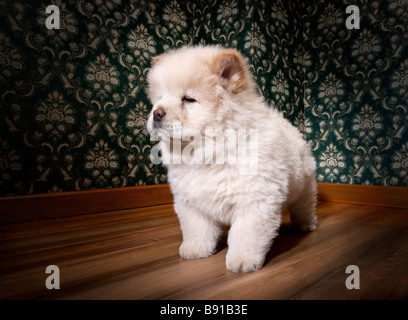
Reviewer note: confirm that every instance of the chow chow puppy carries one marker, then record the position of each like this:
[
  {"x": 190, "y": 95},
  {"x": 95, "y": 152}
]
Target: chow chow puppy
[{"x": 231, "y": 159}]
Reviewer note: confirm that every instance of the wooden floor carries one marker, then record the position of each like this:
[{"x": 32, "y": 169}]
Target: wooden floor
[{"x": 133, "y": 254}]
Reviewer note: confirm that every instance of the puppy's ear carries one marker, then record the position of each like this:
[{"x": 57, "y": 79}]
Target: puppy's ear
[
  {"x": 156, "y": 59},
  {"x": 231, "y": 67}
]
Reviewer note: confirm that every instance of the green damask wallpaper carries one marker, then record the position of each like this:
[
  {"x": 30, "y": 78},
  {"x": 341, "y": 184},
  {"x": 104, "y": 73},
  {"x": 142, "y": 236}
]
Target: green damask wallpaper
[
  {"x": 356, "y": 91},
  {"x": 73, "y": 104}
]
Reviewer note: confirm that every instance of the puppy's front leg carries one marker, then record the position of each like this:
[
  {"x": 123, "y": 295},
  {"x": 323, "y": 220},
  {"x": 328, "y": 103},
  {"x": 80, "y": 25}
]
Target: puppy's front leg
[
  {"x": 200, "y": 233},
  {"x": 250, "y": 238}
]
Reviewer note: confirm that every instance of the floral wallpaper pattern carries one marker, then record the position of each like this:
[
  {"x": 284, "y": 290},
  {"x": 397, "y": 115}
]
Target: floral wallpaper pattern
[
  {"x": 356, "y": 91},
  {"x": 73, "y": 105}
]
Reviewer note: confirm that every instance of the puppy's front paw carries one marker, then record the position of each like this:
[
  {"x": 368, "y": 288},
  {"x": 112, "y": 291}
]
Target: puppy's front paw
[
  {"x": 237, "y": 262},
  {"x": 189, "y": 250}
]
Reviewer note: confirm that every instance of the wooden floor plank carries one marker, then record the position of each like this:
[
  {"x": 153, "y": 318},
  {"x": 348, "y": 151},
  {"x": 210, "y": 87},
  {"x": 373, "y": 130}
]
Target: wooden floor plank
[
  {"x": 300, "y": 264},
  {"x": 383, "y": 274},
  {"x": 133, "y": 254}
]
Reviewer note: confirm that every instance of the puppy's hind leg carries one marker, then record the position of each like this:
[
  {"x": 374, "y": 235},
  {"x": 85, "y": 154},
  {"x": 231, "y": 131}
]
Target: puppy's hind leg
[
  {"x": 200, "y": 234},
  {"x": 302, "y": 212}
]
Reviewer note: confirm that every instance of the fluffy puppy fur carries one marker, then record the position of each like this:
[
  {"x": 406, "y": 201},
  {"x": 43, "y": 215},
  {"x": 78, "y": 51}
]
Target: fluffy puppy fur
[{"x": 209, "y": 87}]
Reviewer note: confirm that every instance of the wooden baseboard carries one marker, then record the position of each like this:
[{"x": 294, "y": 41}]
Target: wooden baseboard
[
  {"x": 64, "y": 204},
  {"x": 396, "y": 197}
]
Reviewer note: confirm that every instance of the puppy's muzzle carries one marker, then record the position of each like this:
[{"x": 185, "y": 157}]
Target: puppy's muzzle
[{"x": 158, "y": 115}]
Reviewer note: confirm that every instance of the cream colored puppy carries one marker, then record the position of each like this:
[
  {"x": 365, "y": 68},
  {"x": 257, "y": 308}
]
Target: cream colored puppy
[{"x": 231, "y": 159}]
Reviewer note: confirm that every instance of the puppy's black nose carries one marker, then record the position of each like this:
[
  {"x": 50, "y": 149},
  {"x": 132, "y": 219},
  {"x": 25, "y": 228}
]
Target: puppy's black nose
[{"x": 158, "y": 115}]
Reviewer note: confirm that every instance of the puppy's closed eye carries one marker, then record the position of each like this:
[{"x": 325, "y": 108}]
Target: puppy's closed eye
[{"x": 187, "y": 99}]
